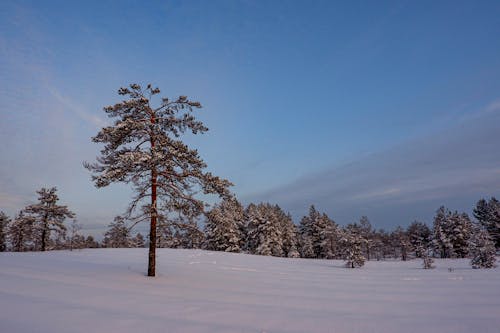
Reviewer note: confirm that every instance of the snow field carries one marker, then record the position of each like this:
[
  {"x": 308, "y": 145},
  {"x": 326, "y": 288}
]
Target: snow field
[{"x": 105, "y": 290}]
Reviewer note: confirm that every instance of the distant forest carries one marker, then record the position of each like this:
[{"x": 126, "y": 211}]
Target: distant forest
[{"x": 265, "y": 229}]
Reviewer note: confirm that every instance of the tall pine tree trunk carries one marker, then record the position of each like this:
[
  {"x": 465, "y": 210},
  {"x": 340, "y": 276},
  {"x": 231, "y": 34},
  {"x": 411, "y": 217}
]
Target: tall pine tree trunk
[
  {"x": 152, "y": 228},
  {"x": 44, "y": 231}
]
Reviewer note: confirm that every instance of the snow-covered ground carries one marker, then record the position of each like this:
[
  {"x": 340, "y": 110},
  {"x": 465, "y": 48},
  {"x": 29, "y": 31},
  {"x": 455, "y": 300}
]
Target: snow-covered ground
[{"x": 105, "y": 290}]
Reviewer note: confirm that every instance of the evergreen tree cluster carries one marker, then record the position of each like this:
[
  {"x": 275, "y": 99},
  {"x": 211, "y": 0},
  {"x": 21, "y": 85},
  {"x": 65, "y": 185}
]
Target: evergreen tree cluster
[
  {"x": 452, "y": 231},
  {"x": 265, "y": 229},
  {"x": 41, "y": 227},
  {"x": 37, "y": 227},
  {"x": 180, "y": 232},
  {"x": 488, "y": 215}
]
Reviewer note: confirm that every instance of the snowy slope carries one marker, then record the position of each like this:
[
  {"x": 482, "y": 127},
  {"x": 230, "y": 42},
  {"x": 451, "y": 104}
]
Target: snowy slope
[{"x": 105, "y": 290}]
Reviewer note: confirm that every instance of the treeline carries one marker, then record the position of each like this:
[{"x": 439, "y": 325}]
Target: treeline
[
  {"x": 266, "y": 229},
  {"x": 41, "y": 227}
]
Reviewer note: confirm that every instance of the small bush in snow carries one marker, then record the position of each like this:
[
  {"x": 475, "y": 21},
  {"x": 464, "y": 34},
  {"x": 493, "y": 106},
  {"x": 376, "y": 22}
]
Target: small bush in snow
[{"x": 427, "y": 261}]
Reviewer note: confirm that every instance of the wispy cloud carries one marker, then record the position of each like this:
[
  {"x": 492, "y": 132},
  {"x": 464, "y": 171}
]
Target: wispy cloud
[
  {"x": 490, "y": 108},
  {"x": 377, "y": 194},
  {"x": 11, "y": 202},
  {"x": 456, "y": 166},
  {"x": 76, "y": 109}
]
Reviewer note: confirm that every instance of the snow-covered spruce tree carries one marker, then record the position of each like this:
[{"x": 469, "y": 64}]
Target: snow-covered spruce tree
[
  {"x": 324, "y": 237},
  {"x": 49, "y": 217},
  {"x": 264, "y": 232},
  {"x": 143, "y": 147},
  {"x": 20, "y": 232},
  {"x": 306, "y": 247},
  {"x": 353, "y": 244},
  {"x": 118, "y": 234},
  {"x": 223, "y": 226},
  {"x": 441, "y": 233},
  {"x": 488, "y": 215},
  {"x": 306, "y": 232},
  {"x": 321, "y": 231},
  {"x": 4, "y": 224},
  {"x": 459, "y": 233},
  {"x": 419, "y": 236},
  {"x": 289, "y": 234},
  {"x": 482, "y": 249}
]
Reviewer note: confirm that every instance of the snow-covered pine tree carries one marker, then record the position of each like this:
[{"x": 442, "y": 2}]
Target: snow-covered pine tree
[
  {"x": 49, "y": 217},
  {"x": 289, "y": 233},
  {"x": 264, "y": 232},
  {"x": 306, "y": 248},
  {"x": 223, "y": 227},
  {"x": 353, "y": 244},
  {"x": 143, "y": 147},
  {"x": 488, "y": 215},
  {"x": 118, "y": 234},
  {"x": 482, "y": 249},
  {"x": 441, "y": 233},
  {"x": 20, "y": 232},
  {"x": 419, "y": 236},
  {"x": 482, "y": 212},
  {"x": 4, "y": 224},
  {"x": 323, "y": 237},
  {"x": 321, "y": 232},
  {"x": 460, "y": 231},
  {"x": 306, "y": 233}
]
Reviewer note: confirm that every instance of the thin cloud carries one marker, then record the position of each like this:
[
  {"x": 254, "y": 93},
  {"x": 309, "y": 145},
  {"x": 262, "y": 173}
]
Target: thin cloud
[
  {"x": 71, "y": 106},
  {"x": 457, "y": 165},
  {"x": 384, "y": 193},
  {"x": 10, "y": 202}
]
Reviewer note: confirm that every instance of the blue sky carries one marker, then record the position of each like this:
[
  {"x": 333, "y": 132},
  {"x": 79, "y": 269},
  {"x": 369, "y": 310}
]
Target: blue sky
[{"x": 380, "y": 108}]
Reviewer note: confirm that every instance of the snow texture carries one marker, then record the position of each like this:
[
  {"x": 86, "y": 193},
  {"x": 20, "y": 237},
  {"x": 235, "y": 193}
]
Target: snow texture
[{"x": 105, "y": 290}]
